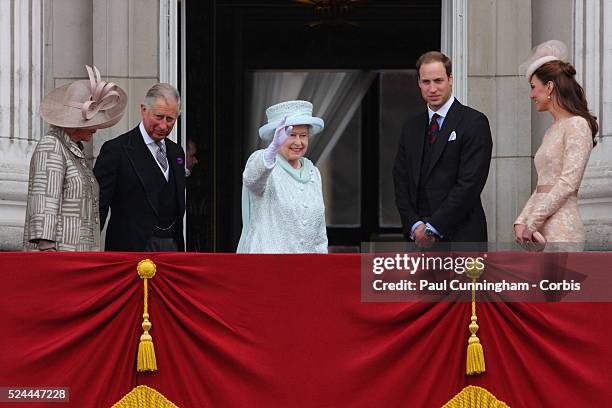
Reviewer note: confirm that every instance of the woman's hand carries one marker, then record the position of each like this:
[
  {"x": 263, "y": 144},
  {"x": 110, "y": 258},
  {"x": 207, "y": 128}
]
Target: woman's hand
[
  {"x": 281, "y": 134},
  {"x": 526, "y": 239},
  {"x": 45, "y": 245},
  {"x": 521, "y": 237},
  {"x": 527, "y": 235},
  {"x": 518, "y": 232}
]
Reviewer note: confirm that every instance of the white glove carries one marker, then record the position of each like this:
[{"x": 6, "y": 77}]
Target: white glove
[{"x": 281, "y": 134}]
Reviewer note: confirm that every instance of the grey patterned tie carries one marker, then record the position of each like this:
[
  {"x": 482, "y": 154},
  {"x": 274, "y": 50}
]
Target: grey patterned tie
[{"x": 160, "y": 155}]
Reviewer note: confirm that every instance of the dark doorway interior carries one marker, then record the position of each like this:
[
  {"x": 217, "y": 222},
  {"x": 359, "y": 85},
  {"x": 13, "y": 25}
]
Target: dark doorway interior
[{"x": 228, "y": 40}]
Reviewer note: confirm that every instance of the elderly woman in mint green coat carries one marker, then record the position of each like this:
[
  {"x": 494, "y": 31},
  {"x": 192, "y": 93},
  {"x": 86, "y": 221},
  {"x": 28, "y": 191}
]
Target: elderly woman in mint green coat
[{"x": 282, "y": 199}]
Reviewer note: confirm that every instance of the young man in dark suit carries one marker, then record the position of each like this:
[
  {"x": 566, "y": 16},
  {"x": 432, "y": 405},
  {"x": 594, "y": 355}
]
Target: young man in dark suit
[
  {"x": 442, "y": 162},
  {"x": 142, "y": 180}
]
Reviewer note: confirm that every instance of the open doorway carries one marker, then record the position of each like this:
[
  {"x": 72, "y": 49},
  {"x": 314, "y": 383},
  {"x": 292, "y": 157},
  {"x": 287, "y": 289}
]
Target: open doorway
[{"x": 237, "y": 50}]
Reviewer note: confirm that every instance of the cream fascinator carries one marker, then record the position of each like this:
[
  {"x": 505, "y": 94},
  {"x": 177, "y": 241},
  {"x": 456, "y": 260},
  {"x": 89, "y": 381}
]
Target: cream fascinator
[
  {"x": 92, "y": 104},
  {"x": 552, "y": 50}
]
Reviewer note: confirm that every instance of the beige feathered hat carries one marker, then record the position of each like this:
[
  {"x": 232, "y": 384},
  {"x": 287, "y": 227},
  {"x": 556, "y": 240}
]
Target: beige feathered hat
[{"x": 91, "y": 104}]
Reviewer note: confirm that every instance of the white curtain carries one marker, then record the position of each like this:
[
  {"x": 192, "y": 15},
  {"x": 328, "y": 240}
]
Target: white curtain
[{"x": 336, "y": 95}]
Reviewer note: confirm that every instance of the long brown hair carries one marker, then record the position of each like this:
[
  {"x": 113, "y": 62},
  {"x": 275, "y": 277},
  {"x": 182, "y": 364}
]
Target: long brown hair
[{"x": 570, "y": 94}]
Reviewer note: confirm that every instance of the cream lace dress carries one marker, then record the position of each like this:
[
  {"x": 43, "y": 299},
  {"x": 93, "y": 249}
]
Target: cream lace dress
[{"x": 560, "y": 162}]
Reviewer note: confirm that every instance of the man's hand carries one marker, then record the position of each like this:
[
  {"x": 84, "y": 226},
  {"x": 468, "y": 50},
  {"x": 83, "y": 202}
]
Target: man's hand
[{"x": 422, "y": 240}]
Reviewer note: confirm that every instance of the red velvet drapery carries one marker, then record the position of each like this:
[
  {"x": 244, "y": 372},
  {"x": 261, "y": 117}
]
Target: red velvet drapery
[{"x": 282, "y": 331}]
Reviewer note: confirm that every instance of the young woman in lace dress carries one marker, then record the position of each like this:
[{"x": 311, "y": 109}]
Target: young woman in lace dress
[{"x": 552, "y": 209}]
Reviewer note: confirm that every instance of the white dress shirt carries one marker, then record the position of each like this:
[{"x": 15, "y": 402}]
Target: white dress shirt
[{"x": 442, "y": 112}]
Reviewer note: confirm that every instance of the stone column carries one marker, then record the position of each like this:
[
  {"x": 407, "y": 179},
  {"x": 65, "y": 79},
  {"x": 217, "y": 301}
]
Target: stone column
[
  {"x": 67, "y": 44},
  {"x": 548, "y": 26},
  {"x": 126, "y": 50},
  {"x": 21, "y": 49},
  {"x": 593, "y": 60},
  {"x": 499, "y": 37},
  {"x": 134, "y": 45},
  {"x": 454, "y": 43}
]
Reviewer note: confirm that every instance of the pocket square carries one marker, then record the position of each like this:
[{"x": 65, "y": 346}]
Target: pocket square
[{"x": 452, "y": 136}]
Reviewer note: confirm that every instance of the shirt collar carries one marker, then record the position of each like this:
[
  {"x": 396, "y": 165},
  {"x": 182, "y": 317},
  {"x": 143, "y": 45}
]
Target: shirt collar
[
  {"x": 443, "y": 111},
  {"x": 145, "y": 136}
]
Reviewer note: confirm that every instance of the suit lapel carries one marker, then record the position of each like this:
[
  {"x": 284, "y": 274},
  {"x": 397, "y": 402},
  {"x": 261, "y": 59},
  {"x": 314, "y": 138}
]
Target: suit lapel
[
  {"x": 452, "y": 119},
  {"x": 177, "y": 163},
  {"x": 418, "y": 130},
  {"x": 144, "y": 166}
]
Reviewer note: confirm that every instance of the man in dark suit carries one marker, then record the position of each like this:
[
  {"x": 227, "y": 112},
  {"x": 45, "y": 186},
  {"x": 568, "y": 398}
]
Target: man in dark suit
[
  {"x": 442, "y": 162},
  {"x": 142, "y": 180}
]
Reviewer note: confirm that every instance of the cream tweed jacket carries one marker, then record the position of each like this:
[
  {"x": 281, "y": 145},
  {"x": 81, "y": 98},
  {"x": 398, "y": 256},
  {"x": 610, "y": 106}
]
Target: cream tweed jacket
[{"x": 63, "y": 196}]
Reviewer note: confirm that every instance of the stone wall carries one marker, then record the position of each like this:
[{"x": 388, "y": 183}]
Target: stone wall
[
  {"x": 592, "y": 56},
  {"x": 21, "y": 79},
  {"x": 499, "y": 38}
]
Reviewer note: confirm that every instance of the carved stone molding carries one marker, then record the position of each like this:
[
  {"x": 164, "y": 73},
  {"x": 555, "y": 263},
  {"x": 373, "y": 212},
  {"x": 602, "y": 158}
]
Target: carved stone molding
[
  {"x": 593, "y": 61},
  {"x": 21, "y": 67},
  {"x": 454, "y": 43}
]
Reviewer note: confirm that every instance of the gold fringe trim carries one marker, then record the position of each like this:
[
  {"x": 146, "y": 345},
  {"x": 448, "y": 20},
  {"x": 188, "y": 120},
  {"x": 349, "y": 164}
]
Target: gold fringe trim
[
  {"x": 146, "y": 351},
  {"x": 144, "y": 397},
  {"x": 475, "y": 397}
]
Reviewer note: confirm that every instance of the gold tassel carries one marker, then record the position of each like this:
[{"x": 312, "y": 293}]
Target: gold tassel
[
  {"x": 475, "y": 363},
  {"x": 475, "y": 353},
  {"x": 146, "y": 350}
]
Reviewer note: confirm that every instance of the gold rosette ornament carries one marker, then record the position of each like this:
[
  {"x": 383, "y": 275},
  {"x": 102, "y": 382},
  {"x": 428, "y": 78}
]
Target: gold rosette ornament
[
  {"x": 475, "y": 363},
  {"x": 144, "y": 397},
  {"x": 146, "y": 352},
  {"x": 475, "y": 397}
]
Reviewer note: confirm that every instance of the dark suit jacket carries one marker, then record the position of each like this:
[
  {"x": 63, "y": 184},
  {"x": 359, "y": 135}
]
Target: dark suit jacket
[
  {"x": 455, "y": 177},
  {"x": 128, "y": 174}
]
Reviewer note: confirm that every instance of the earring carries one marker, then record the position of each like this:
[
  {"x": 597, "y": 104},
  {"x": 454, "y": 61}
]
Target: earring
[{"x": 549, "y": 97}]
